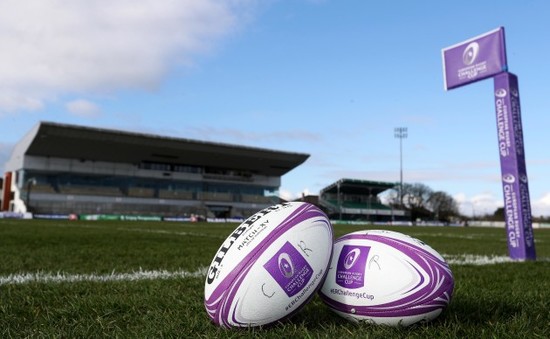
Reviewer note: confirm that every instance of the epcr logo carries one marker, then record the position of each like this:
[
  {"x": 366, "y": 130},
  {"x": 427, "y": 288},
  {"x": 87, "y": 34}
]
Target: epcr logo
[
  {"x": 523, "y": 178},
  {"x": 500, "y": 93},
  {"x": 285, "y": 265},
  {"x": 351, "y": 258},
  {"x": 470, "y": 53},
  {"x": 508, "y": 178}
]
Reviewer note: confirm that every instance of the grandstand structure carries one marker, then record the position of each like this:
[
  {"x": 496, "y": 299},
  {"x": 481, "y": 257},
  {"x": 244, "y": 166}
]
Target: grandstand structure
[
  {"x": 68, "y": 169},
  {"x": 358, "y": 200}
]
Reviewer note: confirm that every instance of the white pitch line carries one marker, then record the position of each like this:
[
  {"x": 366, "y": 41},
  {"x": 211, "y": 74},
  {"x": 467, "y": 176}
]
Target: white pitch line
[
  {"x": 481, "y": 260},
  {"x": 142, "y": 230},
  {"x": 60, "y": 277},
  {"x": 194, "y": 234},
  {"x": 472, "y": 236},
  {"x": 476, "y": 260}
]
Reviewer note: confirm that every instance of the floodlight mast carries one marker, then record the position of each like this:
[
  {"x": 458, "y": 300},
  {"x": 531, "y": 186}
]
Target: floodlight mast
[{"x": 400, "y": 133}]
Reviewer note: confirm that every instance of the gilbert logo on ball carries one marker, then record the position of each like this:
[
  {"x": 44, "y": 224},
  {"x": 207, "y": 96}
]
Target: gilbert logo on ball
[
  {"x": 386, "y": 277},
  {"x": 269, "y": 267}
]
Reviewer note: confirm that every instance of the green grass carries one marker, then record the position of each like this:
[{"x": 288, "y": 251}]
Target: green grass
[{"x": 507, "y": 300}]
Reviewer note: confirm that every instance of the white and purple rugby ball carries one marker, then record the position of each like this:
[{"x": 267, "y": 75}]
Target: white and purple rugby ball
[
  {"x": 386, "y": 277},
  {"x": 270, "y": 266}
]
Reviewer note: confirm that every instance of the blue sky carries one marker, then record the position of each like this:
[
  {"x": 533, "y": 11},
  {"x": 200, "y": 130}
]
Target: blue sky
[{"x": 324, "y": 77}]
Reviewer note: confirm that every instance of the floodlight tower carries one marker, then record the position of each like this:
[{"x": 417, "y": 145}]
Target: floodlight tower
[{"x": 400, "y": 133}]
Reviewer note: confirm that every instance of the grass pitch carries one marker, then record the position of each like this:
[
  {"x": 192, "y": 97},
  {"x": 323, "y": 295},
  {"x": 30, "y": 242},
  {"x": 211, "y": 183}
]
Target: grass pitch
[{"x": 146, "y": 279}]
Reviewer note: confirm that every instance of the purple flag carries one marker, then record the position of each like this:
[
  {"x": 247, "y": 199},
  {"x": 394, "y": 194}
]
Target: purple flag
[
  {"x": 475, "y": 59},
  {"x": 515, "y": 187}
]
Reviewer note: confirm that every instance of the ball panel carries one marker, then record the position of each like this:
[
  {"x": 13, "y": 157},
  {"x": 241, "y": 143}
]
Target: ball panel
[
  {"x": 404, "y": 278},
  {"x": 276, "y": 271},
  {"x": 266, "y": 296}
]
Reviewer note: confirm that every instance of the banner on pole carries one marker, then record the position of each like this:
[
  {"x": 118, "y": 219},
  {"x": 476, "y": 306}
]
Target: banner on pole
[
  {"x": 515, "y": 186},
  {"x": 483, "y": 57},
  {"x": 475, "y": 59}
]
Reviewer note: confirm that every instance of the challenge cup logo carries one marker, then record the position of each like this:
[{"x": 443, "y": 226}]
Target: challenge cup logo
[
  {"x": 470, "y": 53},
  {"x": 350, "y": 269},
  {"x": 289, "y": 269},
  {"x": 351, "y": 258},
  {"x": 285, "y": 265},
  {"x": 500, "y": 93},
  {"x": 508, "y": 178},
  {"x": 523, "y": 178}
]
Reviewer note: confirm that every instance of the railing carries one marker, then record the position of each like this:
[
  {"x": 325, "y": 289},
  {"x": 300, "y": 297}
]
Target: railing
[
  {"x": 141, "y": 192},
  {"x": 258, "y": 199},
  {"x": 182, "y": 195},
  {"x": 42, "y": 188},
  {"x": 90, "y": 190},
  {"x": 216, "y": 196}
]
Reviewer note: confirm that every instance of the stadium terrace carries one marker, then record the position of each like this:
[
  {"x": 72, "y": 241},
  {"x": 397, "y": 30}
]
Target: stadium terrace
[{"x": 61, "y": 171}]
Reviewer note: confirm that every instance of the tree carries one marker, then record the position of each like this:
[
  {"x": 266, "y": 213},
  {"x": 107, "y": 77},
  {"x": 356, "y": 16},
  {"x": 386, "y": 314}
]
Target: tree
[
  {"x": 415, "y": 196},
  {"x": 499, "y": 214},
  {"x": 443, "y": 206},
  {"x": 423, "y": 203}
]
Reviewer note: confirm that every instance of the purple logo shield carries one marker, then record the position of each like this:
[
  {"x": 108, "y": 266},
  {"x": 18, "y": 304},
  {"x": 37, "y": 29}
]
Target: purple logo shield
[
  {"x": 350, "y": 272},
  {"x": 289, "y": 269}
]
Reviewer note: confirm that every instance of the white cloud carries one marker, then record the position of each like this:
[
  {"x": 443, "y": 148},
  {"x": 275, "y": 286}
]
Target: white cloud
[
  {"x": 479, "y": 204},
  {"x": 12, "y": 101},
  {"x": 5, "y": 152},
  {"x": 286, "y": 194},
  {"x": 289, "y": 195},
  {"x": 487, "y": 203},
  {"x": 83, "y": 108},
  {"x": 541, "y": 206},
  {"x": 53, "y": 47}
]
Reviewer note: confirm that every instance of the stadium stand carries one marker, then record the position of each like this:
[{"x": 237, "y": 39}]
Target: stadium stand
[
  {"x": 358, "y": 200},
  {"x": 60, "y": 169}
]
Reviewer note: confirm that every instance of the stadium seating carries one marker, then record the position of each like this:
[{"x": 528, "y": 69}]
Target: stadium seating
[
  {"x": 42, "y": 188},
  {"x": 216, "y": 196},
  {"x": 141, "y": 192},
  {"x": 170, "y": 194},
  {"x": 90, "y": 190},
  {"x": 96, "y": 170},
  {"x": 258, "y": 199}
]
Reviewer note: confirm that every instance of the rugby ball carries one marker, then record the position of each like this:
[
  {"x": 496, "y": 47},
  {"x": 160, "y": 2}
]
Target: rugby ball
[
  {"x": 386, "y": 277},
  {"x": 269, "y": 267}
]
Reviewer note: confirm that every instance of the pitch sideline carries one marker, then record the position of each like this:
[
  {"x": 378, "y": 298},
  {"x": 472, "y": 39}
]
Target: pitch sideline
[{"x": 60, "y": 277}]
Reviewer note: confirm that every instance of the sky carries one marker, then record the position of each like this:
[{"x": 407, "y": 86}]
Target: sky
[{"x": 330, "y": 78}]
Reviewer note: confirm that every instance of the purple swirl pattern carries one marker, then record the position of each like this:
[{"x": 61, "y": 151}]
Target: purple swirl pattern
[
  {"x": 223, "y": 304},
  {"x": 435, "y": 295}
]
